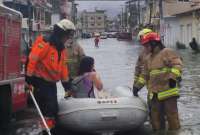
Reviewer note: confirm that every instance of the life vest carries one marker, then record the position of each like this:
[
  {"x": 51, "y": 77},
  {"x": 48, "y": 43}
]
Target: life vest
[{"x": 44, "y": 63}]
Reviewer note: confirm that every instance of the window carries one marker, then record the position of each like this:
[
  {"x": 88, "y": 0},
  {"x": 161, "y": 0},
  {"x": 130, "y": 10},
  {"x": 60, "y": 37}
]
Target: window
[
  {"x": 92, "y": 24},
  {"x": 189, "y": 33},
  {"x": 99, "y": 18},
  {"x": 92, "y": 18},
  {"x": 182, "y": 33}
]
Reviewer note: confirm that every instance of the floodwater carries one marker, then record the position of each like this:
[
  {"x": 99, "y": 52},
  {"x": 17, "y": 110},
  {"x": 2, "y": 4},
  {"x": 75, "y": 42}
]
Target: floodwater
[{"x": 114, "y": 61}]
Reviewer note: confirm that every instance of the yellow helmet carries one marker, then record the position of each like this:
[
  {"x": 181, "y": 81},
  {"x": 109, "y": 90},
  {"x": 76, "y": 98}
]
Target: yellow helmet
[{"x": 144, "y": 32}]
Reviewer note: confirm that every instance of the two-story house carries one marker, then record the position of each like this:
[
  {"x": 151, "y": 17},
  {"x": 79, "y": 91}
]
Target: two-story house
[{"x": 93, "y": 21}]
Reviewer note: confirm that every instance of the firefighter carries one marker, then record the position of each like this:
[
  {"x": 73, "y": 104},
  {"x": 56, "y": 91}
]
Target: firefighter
[
  {"x": 139, "y": 81},
  {"x": 75, "y": 53},
  {"x": 47, "y": 65},
  {"x": 162, "y": 73}
]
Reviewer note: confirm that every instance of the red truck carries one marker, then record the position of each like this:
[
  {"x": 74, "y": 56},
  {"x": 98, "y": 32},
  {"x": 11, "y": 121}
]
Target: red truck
[{"x": 13, "y": 97}]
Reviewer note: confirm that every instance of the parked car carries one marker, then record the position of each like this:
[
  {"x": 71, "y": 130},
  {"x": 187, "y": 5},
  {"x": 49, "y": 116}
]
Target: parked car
[
  {"x": 124, "y": 36},
  {"x": 103, "y": 36},
  {"x": 111, "y": 35},
  {"x": 86, "y": 35}
]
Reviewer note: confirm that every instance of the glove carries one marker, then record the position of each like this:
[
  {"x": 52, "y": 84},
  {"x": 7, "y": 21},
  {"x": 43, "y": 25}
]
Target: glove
[
  {"x": 172, "y": 83},
  {"x": 135, "y": 91},
  {"x": 67, "y": 94},
  {"x": 179, "y": 80},
  {"x": 29, "y": 87}
]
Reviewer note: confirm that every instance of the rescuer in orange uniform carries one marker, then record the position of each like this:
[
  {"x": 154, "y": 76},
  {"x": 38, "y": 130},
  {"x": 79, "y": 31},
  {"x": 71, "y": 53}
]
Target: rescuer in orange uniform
[
  {"x": 162, "y": 73},
  {"x": 48, "y": 65}
]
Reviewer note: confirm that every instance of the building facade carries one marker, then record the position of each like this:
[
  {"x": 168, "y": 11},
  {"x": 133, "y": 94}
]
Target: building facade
[
  {"x": 181, "y": 22},
  {"x": 36, "y": 13},
  {"x": 93, "y": 21}
]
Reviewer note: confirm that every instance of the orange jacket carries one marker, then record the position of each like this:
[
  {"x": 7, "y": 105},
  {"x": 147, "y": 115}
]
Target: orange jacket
[{"x": 43, "y": 62}]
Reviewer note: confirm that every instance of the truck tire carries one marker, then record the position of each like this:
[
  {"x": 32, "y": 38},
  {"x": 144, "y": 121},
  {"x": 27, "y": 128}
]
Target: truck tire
[{"x": 5, "y": 107}]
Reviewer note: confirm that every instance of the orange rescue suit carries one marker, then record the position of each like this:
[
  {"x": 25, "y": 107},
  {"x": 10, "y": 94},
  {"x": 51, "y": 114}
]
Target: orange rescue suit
[{"x": 44, "y": 63}]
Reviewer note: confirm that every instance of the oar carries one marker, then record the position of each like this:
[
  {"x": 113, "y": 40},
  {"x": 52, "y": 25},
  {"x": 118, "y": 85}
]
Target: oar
[{"x": 39, "y": 111}]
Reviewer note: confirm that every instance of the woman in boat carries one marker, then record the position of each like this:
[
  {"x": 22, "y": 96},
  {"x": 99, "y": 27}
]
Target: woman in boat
[{"x": 83, "y": 85}]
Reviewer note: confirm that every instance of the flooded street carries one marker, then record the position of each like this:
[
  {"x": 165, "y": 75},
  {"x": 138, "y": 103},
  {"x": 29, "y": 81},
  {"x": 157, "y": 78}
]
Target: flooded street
[{"x": 114, "y": 61}]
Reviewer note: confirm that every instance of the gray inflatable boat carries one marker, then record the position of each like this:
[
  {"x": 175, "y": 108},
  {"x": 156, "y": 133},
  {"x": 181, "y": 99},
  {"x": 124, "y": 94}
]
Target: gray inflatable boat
[{"x": 120, "y": 112}]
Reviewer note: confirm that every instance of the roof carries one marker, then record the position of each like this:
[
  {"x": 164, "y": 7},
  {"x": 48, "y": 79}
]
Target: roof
[{"x": 172, "y": 9}]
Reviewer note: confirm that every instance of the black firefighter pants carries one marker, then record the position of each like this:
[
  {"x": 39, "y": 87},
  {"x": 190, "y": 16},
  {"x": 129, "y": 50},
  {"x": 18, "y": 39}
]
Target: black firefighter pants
[{"x": 46, "y": 96}]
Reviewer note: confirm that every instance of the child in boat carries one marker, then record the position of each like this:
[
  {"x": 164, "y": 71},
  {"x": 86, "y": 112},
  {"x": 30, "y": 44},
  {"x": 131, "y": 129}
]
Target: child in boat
[{"x": 83, "y": 85}]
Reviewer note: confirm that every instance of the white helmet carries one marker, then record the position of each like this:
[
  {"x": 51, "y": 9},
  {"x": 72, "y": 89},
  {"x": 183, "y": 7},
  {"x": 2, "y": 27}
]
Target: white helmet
[{"x": 66, "y": 25}]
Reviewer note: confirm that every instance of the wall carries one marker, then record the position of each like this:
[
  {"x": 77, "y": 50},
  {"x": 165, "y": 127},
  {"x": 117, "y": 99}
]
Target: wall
[
  {"x": 186, "y": 28},
  {"x": 181, "y": 28},
  {"x": 171, "y": 31}
]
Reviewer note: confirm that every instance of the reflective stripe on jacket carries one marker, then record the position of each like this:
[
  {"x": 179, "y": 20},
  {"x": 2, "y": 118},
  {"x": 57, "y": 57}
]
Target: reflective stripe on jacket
[
  {"x": 43, "y": 62},
  {"x": 166, "y": 94},
  {"x": 165, "y": 70}
]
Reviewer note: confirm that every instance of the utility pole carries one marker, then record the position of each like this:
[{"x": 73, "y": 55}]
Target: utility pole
[
  {"x": 73, "y": 11},
  {"x": 29, "y": 24},
  {"x": 129, "y": 16},
  {"x": 161, "y": 20},
  {"x": 150, "y": 10},
  {"x": 122, "y": 18},
  {"x": 139, "y": 12}
]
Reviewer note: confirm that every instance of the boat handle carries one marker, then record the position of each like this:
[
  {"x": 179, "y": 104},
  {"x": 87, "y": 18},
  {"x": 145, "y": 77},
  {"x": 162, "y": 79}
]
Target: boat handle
[{"x": 108, "y": 117}]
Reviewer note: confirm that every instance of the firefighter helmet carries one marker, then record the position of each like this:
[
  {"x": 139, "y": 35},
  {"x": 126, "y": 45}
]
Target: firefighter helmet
[
  {"x": 66, "y": 25},
  {"x": 153, "y": 36},
  {"x": 144, "y": 32}
]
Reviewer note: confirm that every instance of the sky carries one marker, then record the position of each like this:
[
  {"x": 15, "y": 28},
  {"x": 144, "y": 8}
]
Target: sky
[{"x": 113, "y": 7}]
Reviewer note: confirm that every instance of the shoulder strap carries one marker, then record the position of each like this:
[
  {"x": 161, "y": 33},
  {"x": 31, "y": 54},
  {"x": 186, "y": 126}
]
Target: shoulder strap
[
  {"x": 79, "y": 79},
  {"x": 92, "y": 89}
]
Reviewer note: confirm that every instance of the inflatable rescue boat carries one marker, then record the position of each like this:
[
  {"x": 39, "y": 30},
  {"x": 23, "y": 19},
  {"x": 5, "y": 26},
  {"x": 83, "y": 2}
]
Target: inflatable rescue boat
[{"x": 120, "y": 112}]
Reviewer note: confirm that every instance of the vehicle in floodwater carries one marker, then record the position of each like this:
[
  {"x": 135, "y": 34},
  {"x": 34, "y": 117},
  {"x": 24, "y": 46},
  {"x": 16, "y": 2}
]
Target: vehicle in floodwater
[
  {"x": 121, "y": 112},
  {"x": 124, "y": 36}
]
